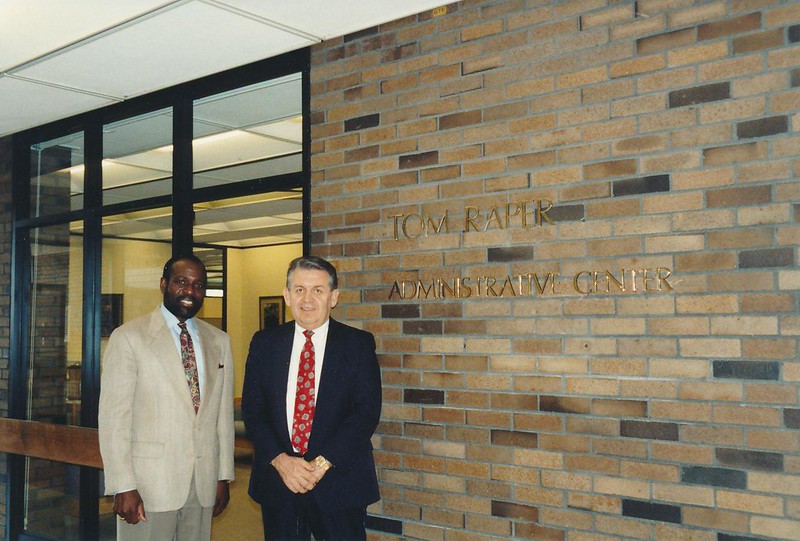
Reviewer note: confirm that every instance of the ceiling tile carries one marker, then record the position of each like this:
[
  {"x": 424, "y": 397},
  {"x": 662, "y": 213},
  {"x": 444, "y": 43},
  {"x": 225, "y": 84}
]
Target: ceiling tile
[
  {"x": 30, "y": 104},
  {"x": 252, "y": 106},
  {"x": 31, "y": 28},
  {"x": 239, "y": 147},
  {"x": 176, "y": 45},
  {"x": 327, "y": 19},
  {"x": 124, "y": 48}
]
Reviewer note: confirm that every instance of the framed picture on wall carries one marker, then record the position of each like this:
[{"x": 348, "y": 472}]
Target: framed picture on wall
[
  {"x": 110, "y": 312},
  {"x": 270, "y": 312}
]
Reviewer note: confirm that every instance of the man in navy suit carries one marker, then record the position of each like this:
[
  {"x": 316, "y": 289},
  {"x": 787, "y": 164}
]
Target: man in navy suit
[{"x": 313, "y": 469}]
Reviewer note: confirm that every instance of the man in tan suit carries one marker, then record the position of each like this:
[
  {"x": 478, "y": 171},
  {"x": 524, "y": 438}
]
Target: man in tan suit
[{"x": 166, "y": 415}]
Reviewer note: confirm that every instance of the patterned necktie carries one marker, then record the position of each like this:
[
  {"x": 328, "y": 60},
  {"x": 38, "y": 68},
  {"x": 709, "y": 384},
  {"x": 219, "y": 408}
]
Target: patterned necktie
[
  {"x": 190, "y": 365},
  {"x": 305, "y": 399}
]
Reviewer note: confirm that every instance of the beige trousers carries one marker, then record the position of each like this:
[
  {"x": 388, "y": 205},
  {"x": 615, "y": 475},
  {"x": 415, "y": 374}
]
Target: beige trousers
[{"x": 192, "y": 522}]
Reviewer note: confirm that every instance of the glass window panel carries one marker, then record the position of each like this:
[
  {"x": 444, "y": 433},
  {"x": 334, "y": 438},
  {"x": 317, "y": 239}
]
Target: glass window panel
[
  {"x": 152, "y": 224},
  {"x": 56, "y": 321},
  {"x": 214, "y": 261},
  {"x": 52, "y": 498},
  {"x": 57, "y": 175},
  {"x": 137, "y": 157},
  {"x": 135, "y": 247},
  {"x": 253, "y": 220},
  {"x": 249, "y": 171},
  {"x": 249, "y": 133}
]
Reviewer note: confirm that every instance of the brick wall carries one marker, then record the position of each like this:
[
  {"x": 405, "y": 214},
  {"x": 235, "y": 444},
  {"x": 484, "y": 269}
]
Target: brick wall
[{"x": 486, "y": 178}]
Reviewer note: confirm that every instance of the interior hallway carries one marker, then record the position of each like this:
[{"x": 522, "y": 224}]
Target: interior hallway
[{"x": 241, "y": 520}]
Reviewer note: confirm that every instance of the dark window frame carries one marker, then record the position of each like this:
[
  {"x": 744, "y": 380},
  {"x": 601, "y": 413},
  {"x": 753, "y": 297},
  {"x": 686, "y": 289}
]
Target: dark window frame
[{"x": 181, "y": 199}]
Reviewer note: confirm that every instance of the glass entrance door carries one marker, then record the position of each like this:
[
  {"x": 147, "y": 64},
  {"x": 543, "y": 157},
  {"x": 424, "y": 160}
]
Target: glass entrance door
[{"x": 52, "y": 489}]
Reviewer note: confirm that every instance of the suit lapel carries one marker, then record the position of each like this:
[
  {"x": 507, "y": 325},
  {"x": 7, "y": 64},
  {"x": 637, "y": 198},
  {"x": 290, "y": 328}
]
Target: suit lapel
[
  {"x": 333, "y": 353},
  {"x": 280, "y": 370},
  {"x": 331, "y": 366},
  {"x": 211, "y": 357}
]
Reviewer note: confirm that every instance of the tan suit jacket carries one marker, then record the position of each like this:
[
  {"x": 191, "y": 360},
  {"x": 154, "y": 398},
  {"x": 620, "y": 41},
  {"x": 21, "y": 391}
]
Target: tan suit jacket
[{"x": 150, "y": 437}]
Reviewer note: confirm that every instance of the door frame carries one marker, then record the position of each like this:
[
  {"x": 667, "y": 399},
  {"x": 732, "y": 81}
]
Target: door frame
[{"x": 78, "y": 445}]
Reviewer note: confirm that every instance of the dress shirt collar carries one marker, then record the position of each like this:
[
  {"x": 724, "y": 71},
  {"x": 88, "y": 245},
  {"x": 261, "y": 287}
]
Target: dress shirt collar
[
  {"x": 172, "y": 321},
  {"x": 319, "y": 332}
]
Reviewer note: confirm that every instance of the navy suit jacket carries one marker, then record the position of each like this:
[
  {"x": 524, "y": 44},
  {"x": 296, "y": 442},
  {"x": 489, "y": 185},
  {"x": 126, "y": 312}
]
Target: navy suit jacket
[{"x": 347, "y": 413}]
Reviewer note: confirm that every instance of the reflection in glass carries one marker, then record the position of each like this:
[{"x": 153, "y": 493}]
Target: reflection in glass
[
  {"x": 154, "y": 224},
  {"x": 250, "y": 221},
  {"x": 137, "y": 157},
  {"x": 57, "y": 175},
  {"x": 249, "y": 133},
  {"x": 214, "y": 261},
  {"x": 56, "y": 304},
  {"x": 52, "y": 498},
  {"x": 56, "y": 293}
]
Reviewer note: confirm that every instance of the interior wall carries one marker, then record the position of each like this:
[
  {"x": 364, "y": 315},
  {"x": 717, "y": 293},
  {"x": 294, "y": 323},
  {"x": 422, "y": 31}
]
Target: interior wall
[
  {"x": 133, "y": 268},
  {"x": 484, "y": 176},
  {"x": 253, "y": 273}
]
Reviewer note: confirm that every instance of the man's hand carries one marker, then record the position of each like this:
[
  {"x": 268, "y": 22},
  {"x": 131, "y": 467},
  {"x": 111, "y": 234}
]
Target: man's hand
[
  {"x": 319, "y": 471},
  {"x": 223, "y": 497},
  {"x": 129, "y": 507},
  {"x": 297, "y": 474}
]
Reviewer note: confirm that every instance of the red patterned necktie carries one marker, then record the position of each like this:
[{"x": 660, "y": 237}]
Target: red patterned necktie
[
  {"x": 305, "y": 399},
  {"x": 190, "y": 365}
]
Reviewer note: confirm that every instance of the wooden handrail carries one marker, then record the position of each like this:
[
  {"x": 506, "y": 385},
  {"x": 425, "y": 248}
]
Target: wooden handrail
[{"x": 60, "y": 443}]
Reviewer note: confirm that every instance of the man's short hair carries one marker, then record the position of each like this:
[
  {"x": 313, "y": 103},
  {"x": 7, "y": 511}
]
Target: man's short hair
[
  {"x": 166, "y": 273},
  {"x": 312, "y": 262}
]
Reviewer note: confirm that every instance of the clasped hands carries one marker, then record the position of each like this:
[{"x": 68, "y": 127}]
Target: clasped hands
[{"x": 299, "y": 475}]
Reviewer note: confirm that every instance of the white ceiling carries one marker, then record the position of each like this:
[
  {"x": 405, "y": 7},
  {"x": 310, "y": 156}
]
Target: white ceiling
[{"x": 59, "y": 58}]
